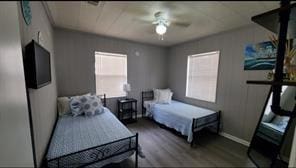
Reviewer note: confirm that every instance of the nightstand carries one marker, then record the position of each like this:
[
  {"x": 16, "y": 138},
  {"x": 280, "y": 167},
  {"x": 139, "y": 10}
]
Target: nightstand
[{"x": 127, "y": 110}]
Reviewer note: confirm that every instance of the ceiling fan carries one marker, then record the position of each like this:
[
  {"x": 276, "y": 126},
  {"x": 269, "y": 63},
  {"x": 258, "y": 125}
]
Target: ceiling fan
[
  {"x": 160, "y": 15},
  {"x": 168, "y": 15},
  {"x": 162, "y": 24}
]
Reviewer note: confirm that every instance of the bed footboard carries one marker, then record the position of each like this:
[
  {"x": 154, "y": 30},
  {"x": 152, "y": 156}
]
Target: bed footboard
[
  {"x": 204, "y": 122},
  {"x": 98, "y": 153}
]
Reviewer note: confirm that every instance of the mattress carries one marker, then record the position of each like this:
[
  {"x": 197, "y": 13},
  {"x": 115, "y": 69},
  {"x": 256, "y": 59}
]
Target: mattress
[
  {"x": 73, "y": 134},
  {"x": 176, "y": 115},
  {"x": 270, "y": 132}
]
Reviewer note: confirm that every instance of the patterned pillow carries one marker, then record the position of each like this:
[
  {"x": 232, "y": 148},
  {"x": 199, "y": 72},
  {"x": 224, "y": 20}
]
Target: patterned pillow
[
  {"x": 75, "y": 106},
  {"x": 86, "y": 104},
  {"x": 91, "y": 105},
  {"x": 64, "y": 106}
]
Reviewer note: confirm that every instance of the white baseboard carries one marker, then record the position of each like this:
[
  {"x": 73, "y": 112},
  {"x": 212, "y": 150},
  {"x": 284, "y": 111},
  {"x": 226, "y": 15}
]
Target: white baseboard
[{"x": 234, "y": 138}]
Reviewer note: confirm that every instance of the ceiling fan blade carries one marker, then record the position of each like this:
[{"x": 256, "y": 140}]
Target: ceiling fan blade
[
  {"x": 169, "y": 5},
  {"x": 181, "y": 24},
  {"x": 144, "y": 21},
  {"x": 150, "y": 29},
  {"x": 145, "y": 26},
  {"x": 137, "y": 10}
]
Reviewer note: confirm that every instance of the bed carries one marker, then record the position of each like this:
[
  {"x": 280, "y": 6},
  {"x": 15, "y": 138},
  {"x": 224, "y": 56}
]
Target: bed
[
  {"x": 94, "y": 141},
  {"x": 271, "y": 132},
  {"x": 184, "y": 118}
]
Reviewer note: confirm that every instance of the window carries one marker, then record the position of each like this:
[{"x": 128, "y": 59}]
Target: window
[
  {"x": 202, "y": 74},
  {"x": 111, "y": 73}
]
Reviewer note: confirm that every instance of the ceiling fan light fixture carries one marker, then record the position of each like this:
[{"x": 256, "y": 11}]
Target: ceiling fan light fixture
[{"x": 160, "y": 29}]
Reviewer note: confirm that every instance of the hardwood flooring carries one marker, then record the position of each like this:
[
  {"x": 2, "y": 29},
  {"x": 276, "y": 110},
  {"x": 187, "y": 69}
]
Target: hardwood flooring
[{"x": 163, "y": 148}]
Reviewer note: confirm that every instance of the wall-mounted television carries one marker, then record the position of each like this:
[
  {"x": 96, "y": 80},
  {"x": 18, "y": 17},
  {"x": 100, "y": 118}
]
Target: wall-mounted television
[{"x": 37, "y": 66}]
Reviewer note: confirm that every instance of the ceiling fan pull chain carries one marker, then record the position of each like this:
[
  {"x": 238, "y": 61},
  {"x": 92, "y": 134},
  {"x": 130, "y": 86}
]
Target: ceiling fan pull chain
[{"x": 160, "y": 37}]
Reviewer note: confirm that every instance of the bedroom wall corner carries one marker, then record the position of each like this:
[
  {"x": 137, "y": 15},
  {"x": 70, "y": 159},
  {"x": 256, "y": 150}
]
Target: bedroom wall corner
[{"x": 43, "y": 100}]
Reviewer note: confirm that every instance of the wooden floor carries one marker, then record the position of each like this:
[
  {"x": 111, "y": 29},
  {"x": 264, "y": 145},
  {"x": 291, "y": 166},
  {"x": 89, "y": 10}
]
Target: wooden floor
[{"x": 163, "y": 148}]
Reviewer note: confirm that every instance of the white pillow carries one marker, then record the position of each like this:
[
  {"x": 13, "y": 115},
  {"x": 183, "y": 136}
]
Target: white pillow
[
  {"x": 155, "y": 94},
  {"x": 170, "y": 97},
  {"x": 164, "y": 96},
  {"x": 63, "y": 105},
  {"x": 281, "y": 121},
  {"x": 268, "y": 117}
]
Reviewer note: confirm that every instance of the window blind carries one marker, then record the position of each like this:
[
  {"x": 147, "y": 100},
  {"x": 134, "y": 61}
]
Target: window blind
[
  {"x": 110, "y": 73},
  {"x": 202, "y": 74}
]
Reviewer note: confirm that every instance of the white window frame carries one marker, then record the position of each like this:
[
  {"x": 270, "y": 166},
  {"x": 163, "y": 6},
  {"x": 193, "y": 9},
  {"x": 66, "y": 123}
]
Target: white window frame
[
  {"x": 111, "y": 54},
  {"x": 187, "y": 74}
]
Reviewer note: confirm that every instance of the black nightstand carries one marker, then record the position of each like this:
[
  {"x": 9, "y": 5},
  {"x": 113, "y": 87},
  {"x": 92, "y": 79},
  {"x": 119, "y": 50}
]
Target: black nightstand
[{"x": 127, "y": 110}]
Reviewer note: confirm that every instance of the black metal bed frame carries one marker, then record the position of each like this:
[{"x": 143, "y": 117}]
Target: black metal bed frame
[
  {"x": 196, "y": 124},
  {"x": 97, "y": 153}
]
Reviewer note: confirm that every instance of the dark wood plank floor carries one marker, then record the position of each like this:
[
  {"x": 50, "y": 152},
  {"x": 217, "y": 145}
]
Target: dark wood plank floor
[{"x": 163, "y": 148}]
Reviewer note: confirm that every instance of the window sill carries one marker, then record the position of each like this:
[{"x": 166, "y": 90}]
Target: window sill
[
  {"x": 115, "y": 97},
  {"x": 206, "y": 101}
]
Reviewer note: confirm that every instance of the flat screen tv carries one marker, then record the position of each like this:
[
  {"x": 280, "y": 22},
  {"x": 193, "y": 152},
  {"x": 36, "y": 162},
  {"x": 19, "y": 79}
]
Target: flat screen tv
[{"x": 37, "y": 66}]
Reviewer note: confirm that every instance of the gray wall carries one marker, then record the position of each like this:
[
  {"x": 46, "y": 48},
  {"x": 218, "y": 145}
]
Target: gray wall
[
  {"x": 43, "y": 100},
  {"x": 241, "y": 104},
  {"x": 75, "y": 63},
  {"x": 15, "y": 138}
]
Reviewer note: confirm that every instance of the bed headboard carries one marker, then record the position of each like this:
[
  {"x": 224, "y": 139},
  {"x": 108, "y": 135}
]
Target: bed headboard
[
  {"x": 103, "y": 99},
  {"x": 146, "y": 95}
]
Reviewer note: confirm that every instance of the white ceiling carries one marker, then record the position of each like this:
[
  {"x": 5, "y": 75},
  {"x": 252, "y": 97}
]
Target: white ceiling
[{"x": 121, "y": 19}]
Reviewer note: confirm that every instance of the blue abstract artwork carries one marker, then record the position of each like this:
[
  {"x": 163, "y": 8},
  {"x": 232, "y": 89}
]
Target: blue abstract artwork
[
  {"x": 26, "y": 10},
  {"x": 261, "y": 56}
]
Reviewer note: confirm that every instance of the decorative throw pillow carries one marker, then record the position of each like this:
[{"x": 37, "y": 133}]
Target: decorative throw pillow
[
  {"x": 91, "y": 105},
  {"x": 170, "y": 97},
  {"x": 281, "y": 121},
  {"x": 63, "y": 106},
  {"x": 75, "y": 106},
  {"x": 164, "y": 96},
  {"x": 268, "y": 117},
  {"x": 155, "y": 95},
  {"x": 66, "y": 105}
]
